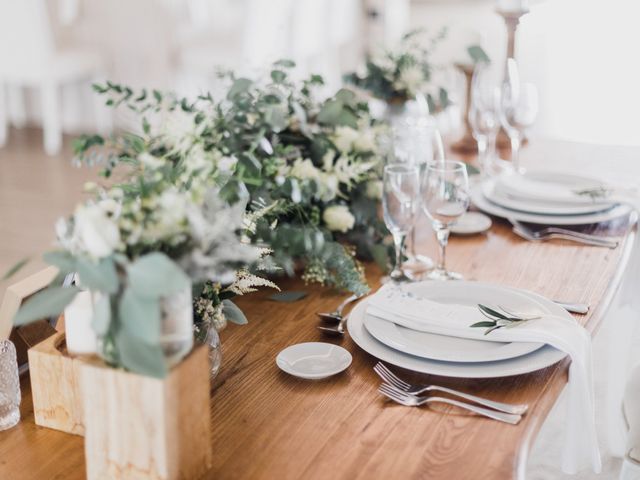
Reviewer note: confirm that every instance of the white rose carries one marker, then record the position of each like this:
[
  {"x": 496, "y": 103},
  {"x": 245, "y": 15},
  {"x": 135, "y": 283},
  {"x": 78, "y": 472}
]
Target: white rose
[
  {"x": 366, "y": 142},
  {"x": 173, "y": 208},
  {"x": 96, "y": 232},
  {"x": 338, "y": 218},
  {"x": 411, "y": 79},
  {"x": 344, "y": 138},
  {"x": 374, "y": 189},
  {"x": 304, "y": 169}
]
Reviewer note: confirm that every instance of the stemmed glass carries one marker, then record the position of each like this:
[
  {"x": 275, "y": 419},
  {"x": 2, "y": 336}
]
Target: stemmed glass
[
  {"x": 445, "y": 194},
  {"x": 484, "y": 117},
  {"x": 400, "y": 203},
  {"x": 417, "y": 142},
  {"x": 518, "y": 109}
]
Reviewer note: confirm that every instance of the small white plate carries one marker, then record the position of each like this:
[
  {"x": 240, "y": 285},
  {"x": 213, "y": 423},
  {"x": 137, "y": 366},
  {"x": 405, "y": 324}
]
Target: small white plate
[
  {"x": 313, "y": 360},
  {"x": 471, "y": 223}
]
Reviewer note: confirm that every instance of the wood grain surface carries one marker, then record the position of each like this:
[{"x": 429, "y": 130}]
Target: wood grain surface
[{"x": 268, "y": 425}]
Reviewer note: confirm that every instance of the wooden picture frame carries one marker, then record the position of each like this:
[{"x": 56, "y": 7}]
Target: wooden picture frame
[{"x": 26, "y": 336}]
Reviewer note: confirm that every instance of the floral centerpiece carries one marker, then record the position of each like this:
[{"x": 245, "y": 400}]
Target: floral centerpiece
[
  {"x": 308, "y": 171},
  {"x": 145, "y": 249},
  {"x": 397, "y": 75}
]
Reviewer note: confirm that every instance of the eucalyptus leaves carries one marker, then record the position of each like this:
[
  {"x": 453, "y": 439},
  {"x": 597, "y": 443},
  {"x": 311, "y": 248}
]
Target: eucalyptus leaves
[
  {"x": 138, "y": 247},
  {"x": 307, "y": 170}
]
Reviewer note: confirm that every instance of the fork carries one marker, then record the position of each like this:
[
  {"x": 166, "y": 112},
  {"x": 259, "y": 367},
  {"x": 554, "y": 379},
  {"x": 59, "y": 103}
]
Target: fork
[
  {"x": 556, "y": 232},
  {"x": 401, "y": 386},
  {"x": 337, "y": 313},
  {"x": 536, "y": 237},
  {"x": 561, "y": 231},
  {"x": 411, "y": 401}
]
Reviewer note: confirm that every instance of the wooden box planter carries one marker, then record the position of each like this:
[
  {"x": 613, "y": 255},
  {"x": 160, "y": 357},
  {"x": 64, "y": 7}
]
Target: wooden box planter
[
  {"x": 55, "y": 386},
  {"x": 139, "y": 427}
]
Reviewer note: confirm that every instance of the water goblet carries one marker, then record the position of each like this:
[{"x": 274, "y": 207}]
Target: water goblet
[
  {"x": 518, "y": 110},
  {"x": 484, "y": 118},
  {"x": 445, "y": 194},
  {"x": 400, "y": 203}
]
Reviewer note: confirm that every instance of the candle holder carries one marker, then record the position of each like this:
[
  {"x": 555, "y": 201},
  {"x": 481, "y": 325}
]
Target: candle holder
[
  {"x": 512, "y": 20},
  {"x": 466, "y": 144}
]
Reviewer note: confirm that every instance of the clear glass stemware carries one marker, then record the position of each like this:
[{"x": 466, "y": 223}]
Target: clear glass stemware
[
  {"x": 417, "y": 142},
  {"x": 445, "y": 193},
  {"x": 400, "y": 203},
  {"x": 484, "y": 117},
  {"x": 518, "y": 110}
]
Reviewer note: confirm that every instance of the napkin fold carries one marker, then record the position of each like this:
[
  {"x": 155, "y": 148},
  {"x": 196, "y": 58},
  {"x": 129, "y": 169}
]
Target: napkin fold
[
  {"x": 403, "y": 308},
  {"x": 525, "y": 188}
]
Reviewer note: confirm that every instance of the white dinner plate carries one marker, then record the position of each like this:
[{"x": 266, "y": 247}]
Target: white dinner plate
[
  {"x": 540, "y": 358},
  {"x": 482, "y": 203},
  {"x": 313, "y": 360},
  {"x": 493, "y": 194},
  {"x": 453, "y": 349}
]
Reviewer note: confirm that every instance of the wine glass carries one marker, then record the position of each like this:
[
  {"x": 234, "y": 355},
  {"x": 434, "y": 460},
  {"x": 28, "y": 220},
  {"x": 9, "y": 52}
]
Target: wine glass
[
  {"x": 518, "y": 109},
  {"x": 445, "y": 198},
  {"x": 400, "y": 203},
  {"x": 417, "y": 142},
  {"x": 484, "y": 117}
]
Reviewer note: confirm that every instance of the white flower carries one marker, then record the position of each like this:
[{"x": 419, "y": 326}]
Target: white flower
[
  {"x": 227, "y": 164},
  {"x": 344, "y": 138},
  {"x": 150, "y": 161},
  {"x": 374, "y": 189},
  {"x": 328, "y": 183},
  {"x": 98, "y": 234},
  {"x": 366, "y": 142},
  {"x": 411, "y": 79},
  {"x": 304, "y": 169},
  {"x": 327, "y": 160},
  {"x": 338, "y": 218}
]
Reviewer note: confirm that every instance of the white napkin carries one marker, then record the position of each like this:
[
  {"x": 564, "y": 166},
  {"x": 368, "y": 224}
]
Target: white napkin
[
  {"x": 526, "y": 188},
  {"x": 581, "y": 446}
]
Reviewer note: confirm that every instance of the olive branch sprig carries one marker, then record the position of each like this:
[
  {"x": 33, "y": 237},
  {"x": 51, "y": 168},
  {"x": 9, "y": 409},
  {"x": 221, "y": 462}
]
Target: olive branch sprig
[
  {"x": 595, "y": 193},
  {"x": 499, "y": 319}
]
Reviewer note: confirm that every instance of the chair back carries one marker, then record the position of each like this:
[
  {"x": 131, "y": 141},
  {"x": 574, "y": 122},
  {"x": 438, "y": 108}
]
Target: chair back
[{"x": 26, "y": 38}]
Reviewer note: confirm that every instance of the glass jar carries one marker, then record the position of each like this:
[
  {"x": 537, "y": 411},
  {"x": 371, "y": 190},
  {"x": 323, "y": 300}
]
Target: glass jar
[{"x": 9, "y": 386}]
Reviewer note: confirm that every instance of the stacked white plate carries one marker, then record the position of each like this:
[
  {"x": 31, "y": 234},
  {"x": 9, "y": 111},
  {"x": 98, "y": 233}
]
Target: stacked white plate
[
  {"x": 547, "y": 198},
  {"x": 453, "y": 356}
]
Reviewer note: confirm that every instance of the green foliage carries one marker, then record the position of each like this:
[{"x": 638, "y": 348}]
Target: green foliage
[
  {"x": 399, "y": 74},
  {"x": 46, "y": 303},
  {"x": 294, "y": 157},
  {"x": 477, "y": 54}
]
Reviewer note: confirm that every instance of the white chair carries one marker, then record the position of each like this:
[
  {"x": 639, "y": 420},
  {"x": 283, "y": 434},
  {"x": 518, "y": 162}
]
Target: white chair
[
  {"x": 253, "y": 38},
  {"x": 29, "y": 58}
]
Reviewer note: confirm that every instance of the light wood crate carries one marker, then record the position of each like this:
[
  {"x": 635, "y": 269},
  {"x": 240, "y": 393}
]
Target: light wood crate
[
  {"x": 55, "y": 386},
  {"x": 139, "y": 427}
]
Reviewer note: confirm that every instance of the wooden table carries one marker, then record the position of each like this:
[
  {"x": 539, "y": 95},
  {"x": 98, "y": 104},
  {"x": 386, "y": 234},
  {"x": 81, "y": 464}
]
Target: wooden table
[{"x": 269, "y": 425}]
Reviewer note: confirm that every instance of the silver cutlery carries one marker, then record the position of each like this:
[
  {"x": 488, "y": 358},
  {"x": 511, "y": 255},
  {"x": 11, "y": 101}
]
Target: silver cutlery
[
  {"x": 412, "y": 401},
  {"x": 536, "y": 237},
  {"x": 403, "y": 387},
  {"x": 549, "y": 233},
  {"x": 338, "y": 329},
  {"x": 337, "y": 313}
]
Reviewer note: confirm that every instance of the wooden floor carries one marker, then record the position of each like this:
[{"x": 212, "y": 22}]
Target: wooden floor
[{"x": 35, "y": 190}]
